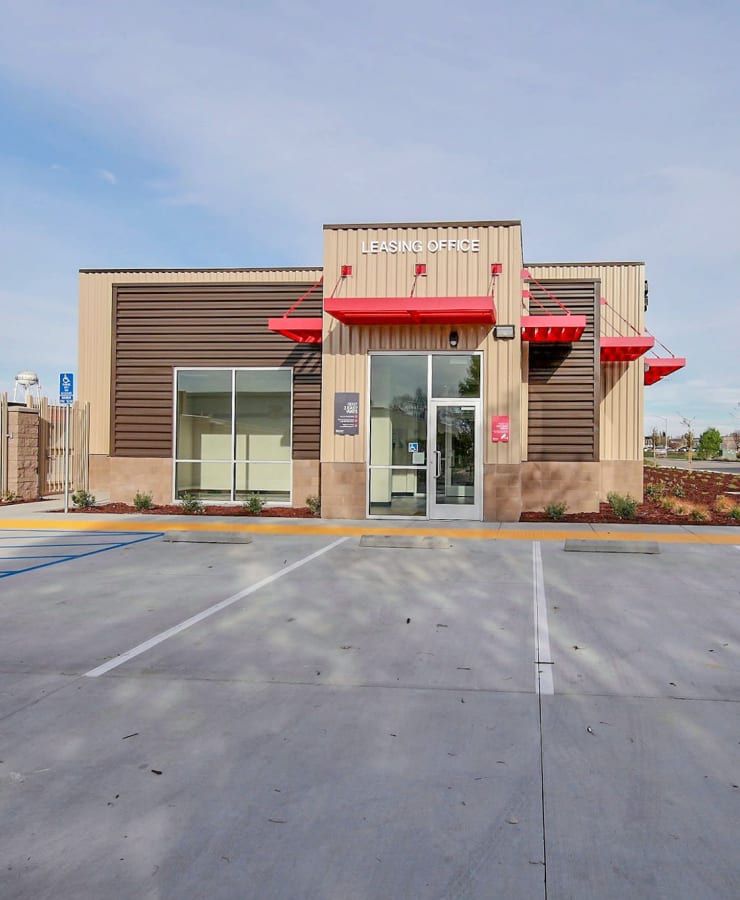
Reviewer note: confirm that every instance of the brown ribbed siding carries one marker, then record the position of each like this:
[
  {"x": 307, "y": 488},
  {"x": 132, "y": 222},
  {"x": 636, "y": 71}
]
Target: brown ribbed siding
[
  {"x": 159, "y": 327},
  {"x": 563, "y": 416}
]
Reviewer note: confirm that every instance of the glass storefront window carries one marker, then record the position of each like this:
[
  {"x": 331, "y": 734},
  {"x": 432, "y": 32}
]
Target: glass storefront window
[
  {"x": 204, "y": 415},
  {"x": 262, "y": 415},
  {"x": 233, "y": 433},
  {"x": 398, "y": 409},
  {"x": 398, "y": 492},
  {"x": 456, "y": 376}
]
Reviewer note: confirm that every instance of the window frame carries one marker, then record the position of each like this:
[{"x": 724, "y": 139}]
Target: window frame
[{"x": 233, "y": 461}]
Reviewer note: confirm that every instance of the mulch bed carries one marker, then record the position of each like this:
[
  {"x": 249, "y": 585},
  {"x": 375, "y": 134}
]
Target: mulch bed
[
  {"x": 698, "y": 488},
  {"x": 172, "y": 509}
]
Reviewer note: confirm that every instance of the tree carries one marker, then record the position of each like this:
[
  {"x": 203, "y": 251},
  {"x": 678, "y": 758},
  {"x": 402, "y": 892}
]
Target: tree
[{"x": 710, "y": 444}]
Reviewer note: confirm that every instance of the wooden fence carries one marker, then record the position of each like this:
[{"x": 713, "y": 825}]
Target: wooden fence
[{"x": 51, "y": 447}]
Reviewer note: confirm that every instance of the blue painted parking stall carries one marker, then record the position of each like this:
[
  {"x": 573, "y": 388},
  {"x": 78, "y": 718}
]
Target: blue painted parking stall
[{"x": 23, "y": 550}]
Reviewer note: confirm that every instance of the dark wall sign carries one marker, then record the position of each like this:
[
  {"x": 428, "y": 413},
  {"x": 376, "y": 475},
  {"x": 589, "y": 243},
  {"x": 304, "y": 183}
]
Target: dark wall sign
[{"x": 346, "y": 413}]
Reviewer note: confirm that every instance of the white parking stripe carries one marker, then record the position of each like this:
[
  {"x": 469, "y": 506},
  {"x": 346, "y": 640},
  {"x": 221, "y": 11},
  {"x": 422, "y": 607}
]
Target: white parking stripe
[
  {"x": 199, "y": 617},
  {"x": 544, "y": 681}
]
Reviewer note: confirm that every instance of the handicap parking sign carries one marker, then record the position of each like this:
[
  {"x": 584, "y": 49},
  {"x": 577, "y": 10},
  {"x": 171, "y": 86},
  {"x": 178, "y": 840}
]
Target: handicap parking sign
[{"x": 66, "y": 388}]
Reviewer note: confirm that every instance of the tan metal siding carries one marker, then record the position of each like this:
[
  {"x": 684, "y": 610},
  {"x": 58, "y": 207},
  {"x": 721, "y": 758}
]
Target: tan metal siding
[
  {"x": 622, "y": 384},
  {"x": 159, "y": 327},
  {"x": 448, "y": 274},
  {"x": 95, "y": 323},
  {"x": 563, "y": 389}
]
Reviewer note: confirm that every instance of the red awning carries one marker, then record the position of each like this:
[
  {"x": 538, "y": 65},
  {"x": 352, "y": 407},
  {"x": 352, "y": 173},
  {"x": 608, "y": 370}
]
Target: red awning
[
  {"x": 412, "y": 310},
  {"x": 657, "y": 368},
  {"x": 625, "y": 349},
  {"x": 560, "y": 329},
  {"x": 303, "y": 331}
]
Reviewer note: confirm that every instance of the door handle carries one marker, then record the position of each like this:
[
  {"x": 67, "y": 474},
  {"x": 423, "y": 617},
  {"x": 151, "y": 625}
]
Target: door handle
[{"x": 438, "y": 463}]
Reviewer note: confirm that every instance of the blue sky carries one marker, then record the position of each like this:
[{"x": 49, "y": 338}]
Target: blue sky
[{"x": 177, "y": 133}]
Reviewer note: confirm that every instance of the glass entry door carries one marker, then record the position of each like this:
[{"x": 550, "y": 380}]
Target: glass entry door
[
  {"x": 425, "y": 445},
  {"x": 454, "y": 463}
]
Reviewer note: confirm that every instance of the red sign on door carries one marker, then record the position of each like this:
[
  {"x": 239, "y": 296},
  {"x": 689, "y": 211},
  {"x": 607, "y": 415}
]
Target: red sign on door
[{"x": 500, "y": 429}]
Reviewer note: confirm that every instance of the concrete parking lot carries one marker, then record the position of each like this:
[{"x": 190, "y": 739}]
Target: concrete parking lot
[{"x": 303, "y": 716}]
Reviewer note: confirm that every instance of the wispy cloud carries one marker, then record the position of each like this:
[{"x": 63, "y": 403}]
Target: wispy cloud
[
  {"x": 107, "y": 175},
  {"x": 414, "y": 111}
]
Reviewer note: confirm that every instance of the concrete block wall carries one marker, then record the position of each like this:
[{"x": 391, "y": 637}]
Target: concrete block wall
[
  {"x": 502, "y": 493},
  {"x": 344, "y": 490},
  {"x": 23, "y": 452},
  {"x": 576, "y": 483}
]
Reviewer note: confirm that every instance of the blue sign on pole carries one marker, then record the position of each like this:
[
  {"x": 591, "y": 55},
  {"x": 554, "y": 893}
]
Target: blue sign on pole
[{"x": 66, "y": 388}]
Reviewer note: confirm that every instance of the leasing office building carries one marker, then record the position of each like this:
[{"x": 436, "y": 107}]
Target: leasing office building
[{"x": 423, "y": 370}]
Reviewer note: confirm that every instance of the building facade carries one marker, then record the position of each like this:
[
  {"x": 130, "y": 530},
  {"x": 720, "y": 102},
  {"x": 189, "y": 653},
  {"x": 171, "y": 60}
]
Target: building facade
[{"x": 422, "y": 370}]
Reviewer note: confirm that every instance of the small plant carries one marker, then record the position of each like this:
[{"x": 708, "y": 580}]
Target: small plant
[
  {"x": 674, "y": 506},
  {"x": 723, "y": 505},
  {"x": 735, "y": 514},
  {"x": 699, "y": 514},
  {"x": 191, "y": 505},
  {"x": 143, "y": 501},
  {"x": 314, "y": 505},
  {"x": 83, "y": 499},
  {"x": 555, "y": 510},
  {"x": 622, "y": 507},
  {"x": 253, "y": 504},
  {"x": 654, "y": 490},
  {"x": 678, "y": 490},
  {"x": 9, "y": 497}
]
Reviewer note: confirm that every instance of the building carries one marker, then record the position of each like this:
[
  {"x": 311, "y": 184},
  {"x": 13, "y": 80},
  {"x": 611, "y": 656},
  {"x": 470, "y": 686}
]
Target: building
[{"x": 422, "y": 370}]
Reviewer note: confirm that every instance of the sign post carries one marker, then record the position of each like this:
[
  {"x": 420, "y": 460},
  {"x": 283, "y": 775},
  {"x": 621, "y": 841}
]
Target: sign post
[{"x": 66, "y": 398}]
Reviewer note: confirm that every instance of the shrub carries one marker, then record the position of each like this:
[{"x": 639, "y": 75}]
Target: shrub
[
  {"x": 253, "y": 504},
  {"x": 83, "y": 499},
  {"x": 143, "y": 501},
  {"x": 697, "y": 512},
  {"x": 622, "y": 507},
  {"x": 314, "y": 504},
  {"x": 678, "y": 490},
  {"x": 735, "y": 514},
  {"x": 654, "y": 490},
  {"x": 723, "y": 505},
  {"x": 191, "y": 505},
  {"x": 555, "y": 510}
]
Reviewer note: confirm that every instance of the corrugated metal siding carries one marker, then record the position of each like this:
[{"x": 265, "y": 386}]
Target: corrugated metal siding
[
  {"x": 563, "y": 388},
  {"x": 622, "y": 384},
  {"x": 159, "y": 327},
  {"x": 95, "y": 317},
  {"x": 448, "y": 274}
]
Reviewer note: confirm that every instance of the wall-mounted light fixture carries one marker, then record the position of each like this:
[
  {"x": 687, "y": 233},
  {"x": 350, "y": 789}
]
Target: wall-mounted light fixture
[
  {"x": 504, "y": 332},
  {"x": 453, "y": 339}
]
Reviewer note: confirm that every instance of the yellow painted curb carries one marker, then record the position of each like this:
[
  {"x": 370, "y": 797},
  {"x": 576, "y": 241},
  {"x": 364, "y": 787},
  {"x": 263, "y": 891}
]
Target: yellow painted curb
[{"x": 295, "y": 528}]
